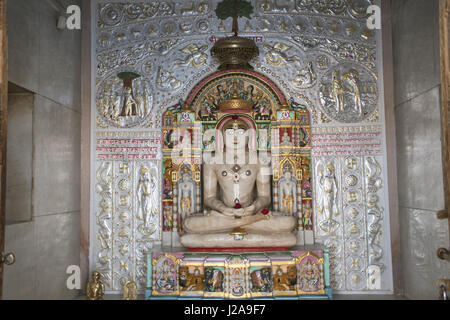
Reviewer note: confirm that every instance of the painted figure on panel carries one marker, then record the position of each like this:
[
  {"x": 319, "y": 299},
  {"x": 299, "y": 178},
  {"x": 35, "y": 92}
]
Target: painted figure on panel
[
  {"x": 307, "y": 216},
  {"x": 213, "y": 280},
  {"x": 190, "y": 281},
  {"x": 261, "y": 280},
  {"x": 309, "y": 276},
  {"x": 285, "y": 280},
  {"x": 165, "y": 275},
  {"x": 237, "y": 282}
]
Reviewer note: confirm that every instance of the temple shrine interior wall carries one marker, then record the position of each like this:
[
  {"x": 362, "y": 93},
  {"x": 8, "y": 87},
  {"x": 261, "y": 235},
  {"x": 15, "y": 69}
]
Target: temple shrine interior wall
[
  {"x": 46, "y": 63},
  {"x": 415, "y": 30},
  {"x": 306, "y": 49},
  {"x": 168, "y": 51}
]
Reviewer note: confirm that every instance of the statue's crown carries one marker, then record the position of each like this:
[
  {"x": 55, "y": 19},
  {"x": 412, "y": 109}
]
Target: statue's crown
[{"x": 235, "y": 103}]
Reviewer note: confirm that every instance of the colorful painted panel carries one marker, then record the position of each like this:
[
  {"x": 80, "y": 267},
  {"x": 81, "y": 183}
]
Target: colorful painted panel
[{"x": 165, "y": 274}]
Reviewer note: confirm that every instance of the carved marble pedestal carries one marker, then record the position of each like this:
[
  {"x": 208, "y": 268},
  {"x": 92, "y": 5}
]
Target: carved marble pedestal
[
  {"x": 251, "y": 239},
  {"x": 295, "y": 274}
]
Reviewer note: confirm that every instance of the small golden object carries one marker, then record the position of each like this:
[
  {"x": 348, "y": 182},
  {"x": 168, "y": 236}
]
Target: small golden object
[
  {"x": 238, "y": 233},
  {"x": 95, "y": 288},
  {"x": 130, "y": 290},
  {"x": 186, "y": 107},
  {"x": 235, "y": 103},
  {"x": 285, "y": 107}
]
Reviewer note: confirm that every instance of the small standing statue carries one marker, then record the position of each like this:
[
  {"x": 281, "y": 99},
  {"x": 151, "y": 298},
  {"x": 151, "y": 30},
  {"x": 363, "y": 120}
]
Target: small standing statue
[
  {"x": 186, "y": 203},
  {"x": 95, "y": 288},
  {"x": 328, "y": 197},
  {"x": 130, "y": 290},
  {"x": 288, "y": 193},
  {"x": 147, "y": 197}
]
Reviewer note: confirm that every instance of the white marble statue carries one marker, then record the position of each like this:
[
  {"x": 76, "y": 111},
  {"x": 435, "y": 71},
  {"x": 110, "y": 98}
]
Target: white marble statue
[
  {"x": 186, "y": 195},
  {"x": 288, "y": 193},
  {"x": 286, "y": 140},
  {"x": 237, "y": 196}
]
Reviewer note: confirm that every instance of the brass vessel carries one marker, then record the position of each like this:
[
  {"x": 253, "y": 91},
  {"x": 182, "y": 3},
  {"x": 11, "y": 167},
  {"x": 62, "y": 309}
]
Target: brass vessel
[{"x": 234, "y": 52}]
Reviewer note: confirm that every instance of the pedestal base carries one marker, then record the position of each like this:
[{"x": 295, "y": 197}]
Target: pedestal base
[
  {"x": 251, "y": 239},
  {"x": 298, "y": 274}
]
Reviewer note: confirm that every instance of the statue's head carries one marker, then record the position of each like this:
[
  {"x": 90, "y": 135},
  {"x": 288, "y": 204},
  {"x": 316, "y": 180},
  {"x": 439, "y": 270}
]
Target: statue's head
[
  {"x": 96, "y": 276},
  {"x": 185, "y": 176},
  {"x": 234, "y": 134},
  {"x": 329, "y": 169},
  {"x": 288, "y": 175},
  {"x": 144, "y": 173}
]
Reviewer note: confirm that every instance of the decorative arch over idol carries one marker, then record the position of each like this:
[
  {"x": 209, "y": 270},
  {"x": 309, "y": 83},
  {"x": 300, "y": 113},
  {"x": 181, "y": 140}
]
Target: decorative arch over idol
[{"x": 237, "y": 160}]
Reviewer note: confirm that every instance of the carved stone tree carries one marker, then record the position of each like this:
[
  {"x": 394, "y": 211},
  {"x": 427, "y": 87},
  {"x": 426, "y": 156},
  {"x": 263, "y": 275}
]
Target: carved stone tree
[
  {"x": 235, "y": 51},
  {"x": 234, "y": 9}
]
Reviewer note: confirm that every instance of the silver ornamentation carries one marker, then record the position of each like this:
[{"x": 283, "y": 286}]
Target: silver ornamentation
[
  {"x": 121, "y": 105},
  {"x": 348, "y": 93}
]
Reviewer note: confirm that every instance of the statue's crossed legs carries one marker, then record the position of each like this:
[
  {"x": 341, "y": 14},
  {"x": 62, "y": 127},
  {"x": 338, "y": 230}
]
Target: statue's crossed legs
[{"x": 273, "y": 230}]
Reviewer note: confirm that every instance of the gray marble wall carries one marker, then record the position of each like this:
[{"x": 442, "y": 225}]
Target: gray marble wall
[
  {"x": 415, "y": 27},
  {"x": 47, "y": 61}
]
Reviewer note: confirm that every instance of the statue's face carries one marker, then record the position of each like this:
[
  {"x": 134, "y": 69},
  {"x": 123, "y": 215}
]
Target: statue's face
[
  {"x": 288, "y": 175},
  {"x": 235, "y": 138},
  {"x": 185, "y": 177}
]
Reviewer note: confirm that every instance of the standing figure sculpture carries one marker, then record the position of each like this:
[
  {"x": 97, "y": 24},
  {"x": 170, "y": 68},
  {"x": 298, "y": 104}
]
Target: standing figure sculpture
[
  {"x": 352, "y": 76},
  {"x": 129, "y": 102},
  {"x": 186, "y": 195},
  {"x": 328, "y": 196},
  {"x": 288, "y": 193},
  {"x": 337, "y": 91},
  {"x": 147, "y": 195}
]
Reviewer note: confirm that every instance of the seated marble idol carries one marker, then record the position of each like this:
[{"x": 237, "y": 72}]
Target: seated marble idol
[{"x": 237, "y": 197}]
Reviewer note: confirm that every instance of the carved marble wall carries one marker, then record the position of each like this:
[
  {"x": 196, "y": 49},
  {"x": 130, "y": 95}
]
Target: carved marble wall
[{"x": 149, "y": 55}]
